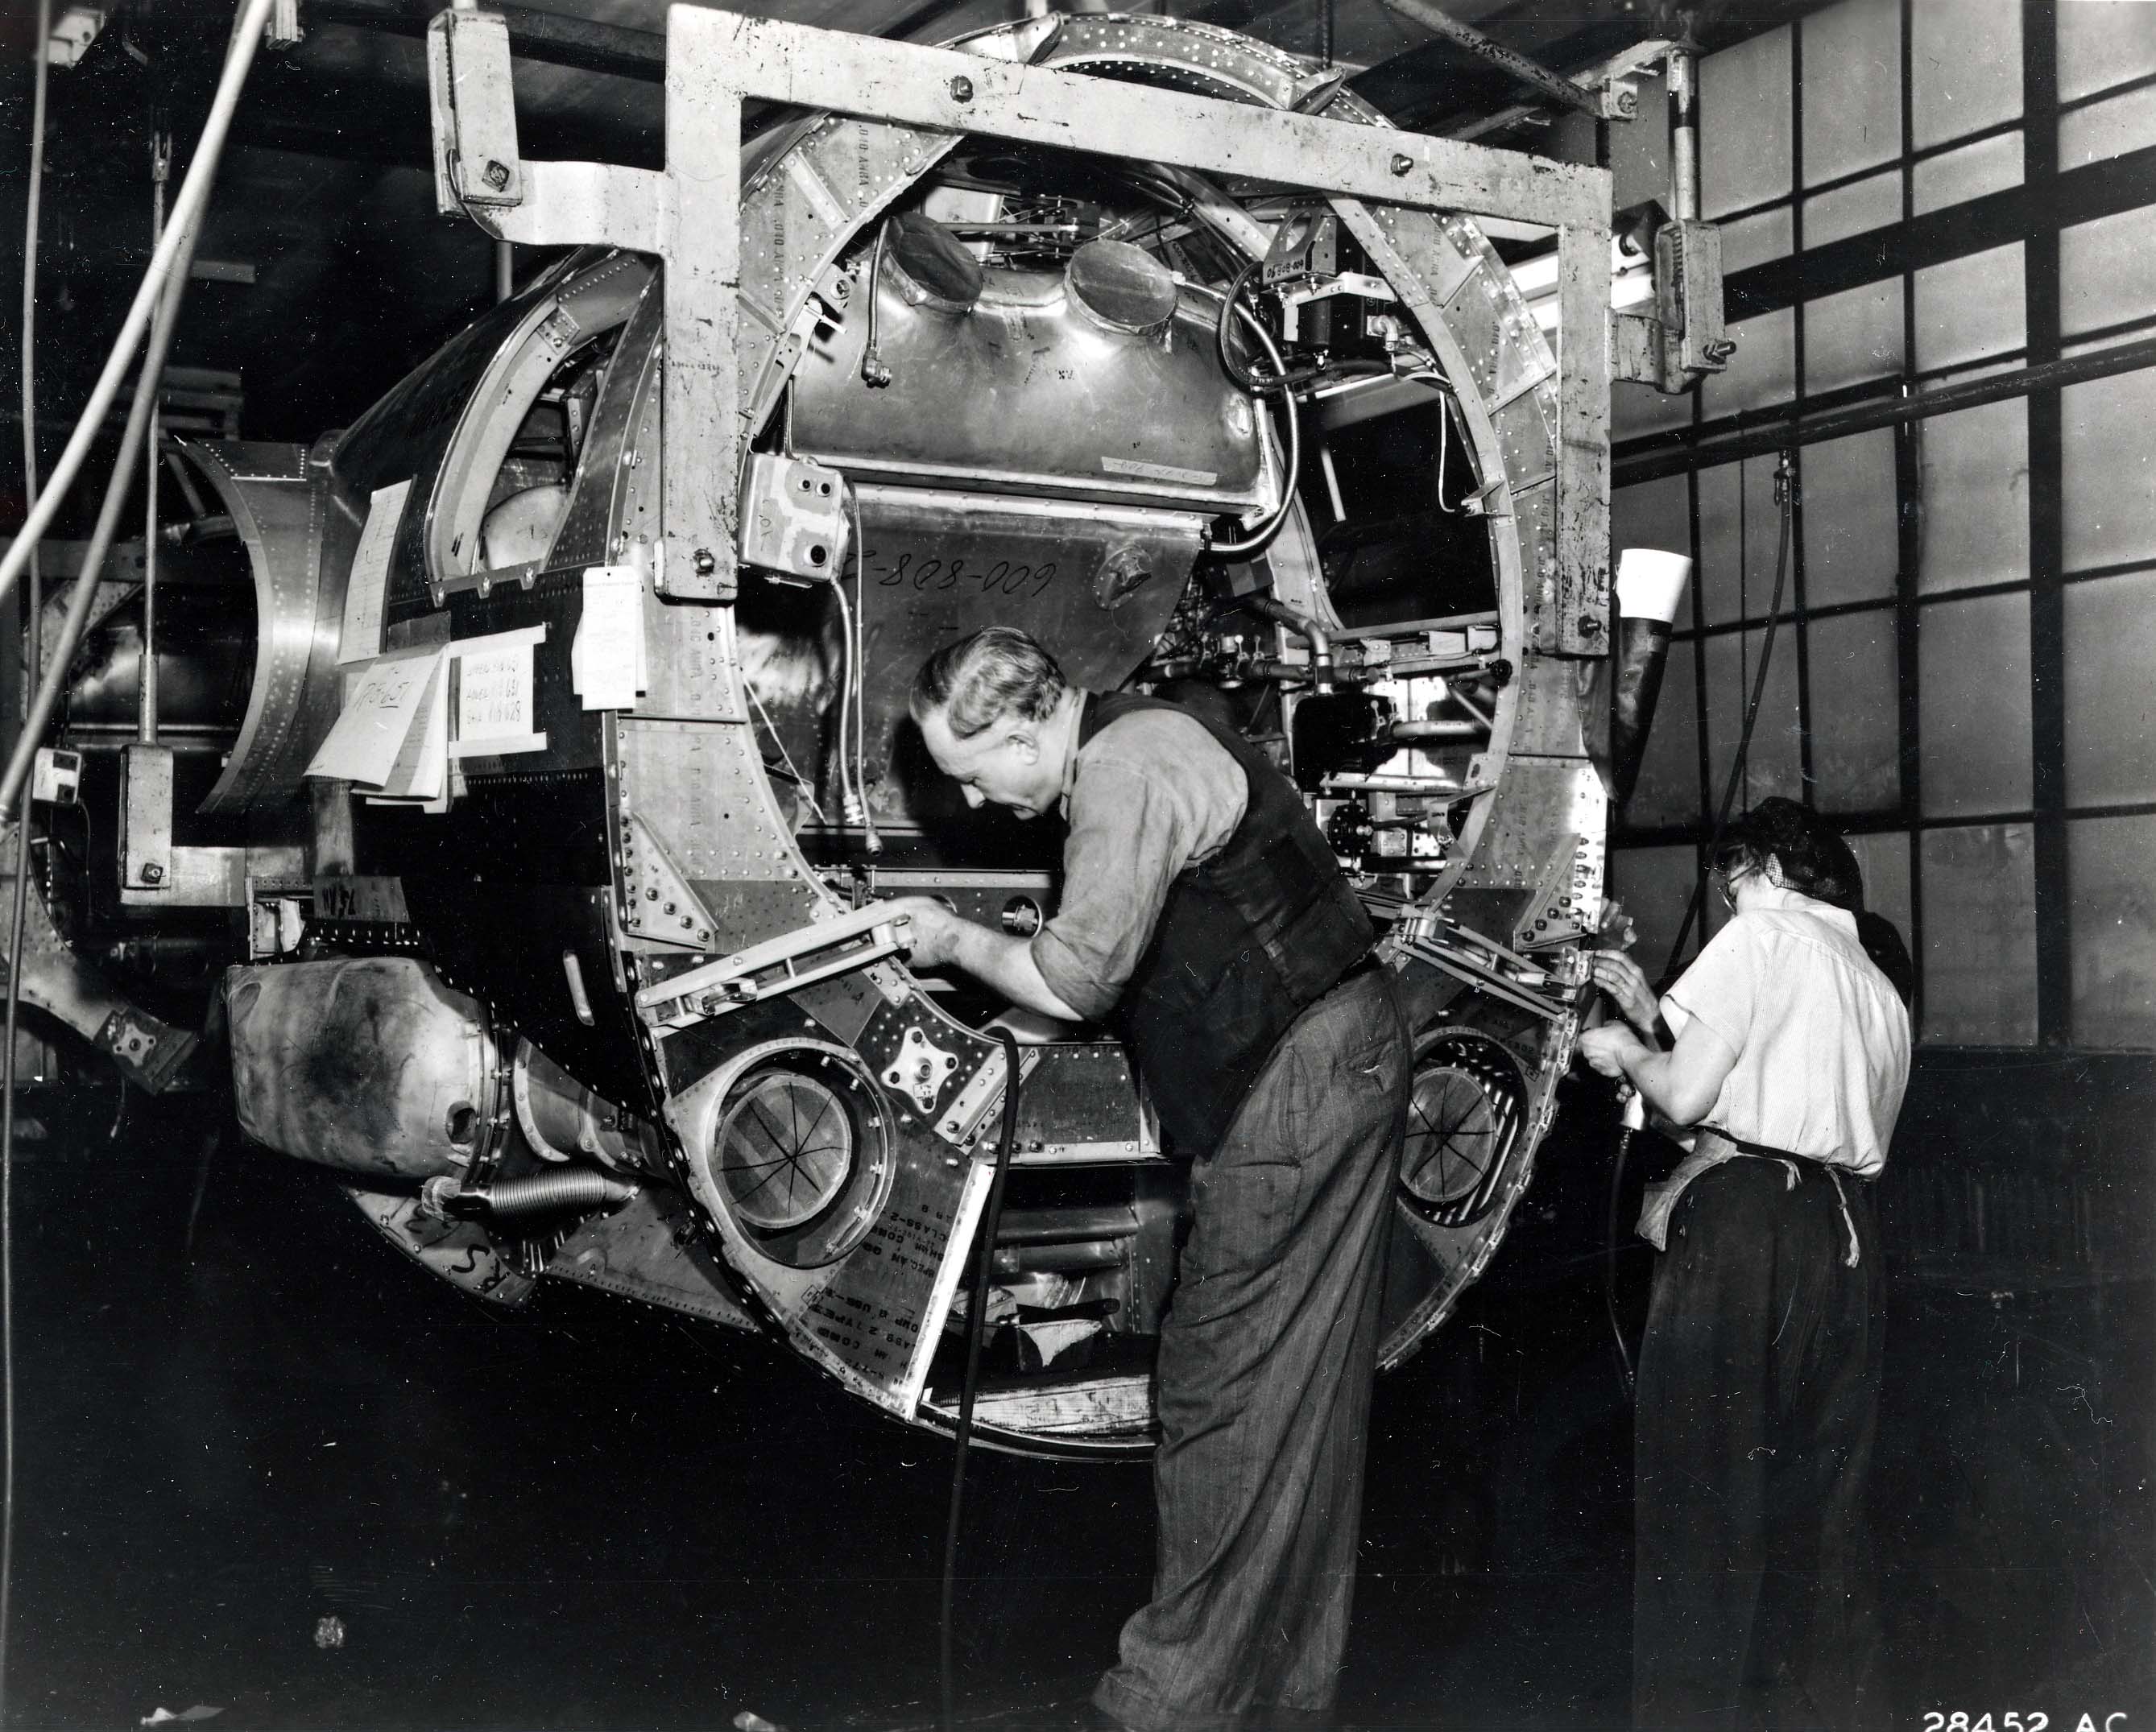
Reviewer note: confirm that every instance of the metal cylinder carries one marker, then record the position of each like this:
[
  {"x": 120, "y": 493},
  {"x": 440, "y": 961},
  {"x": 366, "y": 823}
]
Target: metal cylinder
[
  {"x": 1073, "y": 1259},
  {"x": 369, "y": 1064}
]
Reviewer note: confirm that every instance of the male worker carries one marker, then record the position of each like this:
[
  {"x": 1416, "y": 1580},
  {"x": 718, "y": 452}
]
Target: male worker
[{"x": 1205, "y": 919}]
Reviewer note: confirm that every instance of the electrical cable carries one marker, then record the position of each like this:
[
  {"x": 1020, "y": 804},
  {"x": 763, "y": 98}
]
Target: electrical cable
[
  {"x": 849, "y": 802},
  {"x": 968, "y": 1387},
  {"x": 870, "y": 841},
  {"x": 1263, "y": 535},
  {"x": 177, "y": 247},
  {"x": 33, "y": 210}
]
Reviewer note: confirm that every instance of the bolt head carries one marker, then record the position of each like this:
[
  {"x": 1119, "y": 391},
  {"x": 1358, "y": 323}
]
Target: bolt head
[
  {"x": 706, "y": 562},
  {"x": 497, "y": 174},
  {"x": 962, "y": 90},
  {"x": 1628, "y": 103},
  {"x": 1402, "y": 162}
]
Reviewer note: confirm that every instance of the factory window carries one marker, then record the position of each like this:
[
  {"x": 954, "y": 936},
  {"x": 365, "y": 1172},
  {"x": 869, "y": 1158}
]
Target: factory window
[
  {"x": 1852, "y": 88},
  {"x": 1960, "y": 666},
  {"x": 1978, "y": 955},
  {"x": 2111, "y": 697},
  {"x": 1855, "y": 723},
  {"x": 1974, "y": 680},
  {"x": 1743, "y": 98},
  {"x": 1774, "y": 764},
  {"x": 1965, "y": 67},
  {"x": 1955, "y": 177},
  {"x": 2102, "y": 45},
  {"x": 2109, "y": 504},
  {"x": 1972, "y": 494},
  {"x": 1739, "y": 538},
  {"x": 2114, "y": 902},
  {"x": 1850, "y": 520},
  {"x": 1971, "y": 309}
]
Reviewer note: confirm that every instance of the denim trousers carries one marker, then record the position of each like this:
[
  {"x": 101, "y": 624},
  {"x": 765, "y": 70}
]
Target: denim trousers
[
  {"x": 1753, "y": 1599},
  {"x": 1265, "y": 1361}
]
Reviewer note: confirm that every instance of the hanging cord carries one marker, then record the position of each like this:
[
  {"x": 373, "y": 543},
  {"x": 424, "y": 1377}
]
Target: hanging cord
[
  {"x": 808, "y": 795},
  {"x": 33, "y": 207},
  {"x": 1785, "y": 497},
  {"x": 168, "y": 265},
  {"x": 976, "y": 1322}
]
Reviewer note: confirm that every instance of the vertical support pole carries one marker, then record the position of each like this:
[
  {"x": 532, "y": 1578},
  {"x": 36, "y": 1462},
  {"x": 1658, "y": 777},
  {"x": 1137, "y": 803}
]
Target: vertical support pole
[
  {"x": 504, "y": 270},
  {"x": 1583, "y": 608}
]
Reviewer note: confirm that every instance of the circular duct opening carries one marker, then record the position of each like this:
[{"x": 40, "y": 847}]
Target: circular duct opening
[
  {"x": 1466, "y": 1110},
  {"x": 800, "y": 1158}
]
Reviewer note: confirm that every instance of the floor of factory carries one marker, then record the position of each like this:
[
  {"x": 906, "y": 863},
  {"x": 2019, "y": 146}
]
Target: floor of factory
[{"x": 268, "y": 1467}]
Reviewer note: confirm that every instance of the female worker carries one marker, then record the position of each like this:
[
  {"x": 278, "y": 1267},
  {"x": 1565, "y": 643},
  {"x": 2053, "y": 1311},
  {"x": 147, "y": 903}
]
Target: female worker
[{"x": 1758, "y": 1378}]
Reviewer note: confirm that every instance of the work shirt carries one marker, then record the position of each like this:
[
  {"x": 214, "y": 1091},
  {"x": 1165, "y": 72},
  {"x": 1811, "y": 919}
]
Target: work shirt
[
  {"x": 1150, "y": 794},
  {"x": 1821, "y": 1040}
]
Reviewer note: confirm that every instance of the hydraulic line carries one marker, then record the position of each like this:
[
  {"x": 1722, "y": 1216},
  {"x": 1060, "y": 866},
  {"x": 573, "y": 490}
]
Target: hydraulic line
[
  {"x": 175, "y": 249},
  {"x": 975, "y": 1321}
]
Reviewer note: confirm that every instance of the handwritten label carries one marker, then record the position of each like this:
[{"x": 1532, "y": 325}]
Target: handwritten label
[
  {"x": 366, "y": 591},
  {"x": 494, "y": 708},
  {"x": 494, "y": 693},
  {"x": 936, "y": 573},
  {"x": 382, "y": 702}
]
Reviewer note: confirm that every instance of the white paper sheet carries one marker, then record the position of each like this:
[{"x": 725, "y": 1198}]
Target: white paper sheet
[
  {"x": 606, "y": 661},
  {"x": 496, "y": 714},
  {"x": 383, "y": 701},
  {"x": 367, "y": 590},
  {"x": 421, "y": 771}
]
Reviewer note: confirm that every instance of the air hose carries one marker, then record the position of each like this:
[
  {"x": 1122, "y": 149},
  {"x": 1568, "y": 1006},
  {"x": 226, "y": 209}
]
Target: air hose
[{"x": 976, "y": 1315}]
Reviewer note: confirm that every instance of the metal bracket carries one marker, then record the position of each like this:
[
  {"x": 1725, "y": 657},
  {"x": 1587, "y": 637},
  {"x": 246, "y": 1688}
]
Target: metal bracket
[
  {"x": 476, "y": 159},
  {"x": 820, "y": 952},
  {"x": 971, "y": 1105},
  {"x": 657, "y": 902}
]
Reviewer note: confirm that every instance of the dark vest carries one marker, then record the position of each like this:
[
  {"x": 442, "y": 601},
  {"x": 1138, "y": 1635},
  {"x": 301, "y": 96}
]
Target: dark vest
[{"x": 1247, "y": 939}]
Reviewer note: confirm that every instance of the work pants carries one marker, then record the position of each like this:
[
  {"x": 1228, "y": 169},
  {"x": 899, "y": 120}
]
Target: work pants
[
  {"x": 1265, "y": 1362},
  {"x": 1758, "y": 1396}
]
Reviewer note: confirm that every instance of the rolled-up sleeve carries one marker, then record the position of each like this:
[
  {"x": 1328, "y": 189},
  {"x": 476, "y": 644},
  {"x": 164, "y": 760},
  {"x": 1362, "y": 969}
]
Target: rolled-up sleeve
[
  {"x": 1721, "y": 985},
  {"x": 1153, "y": 792}
]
